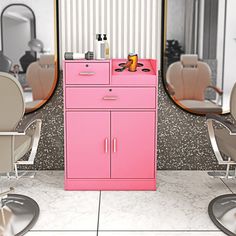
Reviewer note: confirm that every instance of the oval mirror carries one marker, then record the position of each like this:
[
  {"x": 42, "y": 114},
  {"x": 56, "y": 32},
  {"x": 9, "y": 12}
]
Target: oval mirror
[
  {"x": 29, "y": 48},
  {"x": 222, "y": 211},
  {"x": 198, "y": 50}
]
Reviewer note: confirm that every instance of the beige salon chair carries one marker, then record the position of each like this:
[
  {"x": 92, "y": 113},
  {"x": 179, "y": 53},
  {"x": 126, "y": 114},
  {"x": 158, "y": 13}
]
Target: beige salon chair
[
  {"x": 187, "y": 81},
  {"x": 40, "y": 77},
  {"x": 223, "y": 140},
  {"x": 5, "y": 63},
  {"x": 15, "y": 143}
]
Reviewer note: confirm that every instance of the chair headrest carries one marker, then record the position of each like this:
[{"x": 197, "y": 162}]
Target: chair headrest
[
  {"x": 46, "y": 60},
  {"x": 12, "y": 105},
  {"x": 188, "y": 60}
]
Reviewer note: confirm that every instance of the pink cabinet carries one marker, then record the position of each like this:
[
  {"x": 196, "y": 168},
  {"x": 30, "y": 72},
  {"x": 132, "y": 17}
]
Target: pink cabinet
[
  {"x": 133, "y": 145},
  {"x": 88, "y": 73},
  {"x": 110, "y": 129},
  {"x": 105, "y": 97},
  {"x": 88, "y": 154}
]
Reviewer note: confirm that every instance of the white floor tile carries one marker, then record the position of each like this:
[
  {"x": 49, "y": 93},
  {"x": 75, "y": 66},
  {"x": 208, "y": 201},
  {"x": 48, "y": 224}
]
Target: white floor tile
[
  {"x": 216, "y": 233},
  {"x": 180, "y": 203},
  {"x": 59, "y": 209}
]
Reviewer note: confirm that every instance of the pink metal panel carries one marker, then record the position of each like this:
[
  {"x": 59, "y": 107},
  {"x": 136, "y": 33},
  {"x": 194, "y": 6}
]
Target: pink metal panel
[
  {"x": 110, "y": 98},
  {"x": 88, "y": 144},
  {"x": 87, "y": 73},
  {"x": 111, "y": 184},
  {"x": 89, "y": 163},
  {"x": 132, "y": 147},
  {"x": 65, "y": 126}
]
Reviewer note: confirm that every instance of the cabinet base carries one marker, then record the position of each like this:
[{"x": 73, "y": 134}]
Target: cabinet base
[{"x": 112, "y": 184}]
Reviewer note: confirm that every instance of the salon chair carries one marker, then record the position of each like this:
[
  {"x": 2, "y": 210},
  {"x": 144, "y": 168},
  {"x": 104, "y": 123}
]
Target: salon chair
[
  {"x": 223, "y": 139},
  {"x": 15, "y": 142},
  {"x": 187, "y": 81},
  {"x": 40, "y": 76},
  {"x": 5, "y": 63}
]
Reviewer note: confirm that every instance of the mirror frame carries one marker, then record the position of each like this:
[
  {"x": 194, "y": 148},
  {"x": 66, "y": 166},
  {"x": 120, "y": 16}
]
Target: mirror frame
[
  {"x": 163, "y": 48},
  {"x": 56, "y": 48}
]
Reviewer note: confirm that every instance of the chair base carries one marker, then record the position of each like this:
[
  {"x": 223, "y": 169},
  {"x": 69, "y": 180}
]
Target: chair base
[
  {"x": 222, "y": 174},
  {"x": 18, "y": 175}
]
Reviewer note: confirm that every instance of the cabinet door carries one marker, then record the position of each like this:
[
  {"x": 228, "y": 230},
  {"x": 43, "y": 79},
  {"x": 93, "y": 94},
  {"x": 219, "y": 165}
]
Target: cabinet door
[
  {"x": 133, "y": 144},
  {"x": 88, "y": 152}
]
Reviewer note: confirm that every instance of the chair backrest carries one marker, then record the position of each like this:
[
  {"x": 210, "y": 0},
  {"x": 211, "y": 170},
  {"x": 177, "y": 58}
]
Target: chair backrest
[
  {"x": 28, "y": 58},
  {"x": 5, "y": 63},
  {"x": 233, "y": 102},
  {"x": 12, "y": 105},
  {"x": 189, "y": 78},
  {"x": 40, "y": 76}
]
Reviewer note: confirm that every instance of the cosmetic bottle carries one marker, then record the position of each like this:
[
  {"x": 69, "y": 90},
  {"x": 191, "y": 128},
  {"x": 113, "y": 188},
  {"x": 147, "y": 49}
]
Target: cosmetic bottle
[
  {"x": 95, "y": 45},
  {"x": 100, "y": 48},
  {"x": 107, "y": 49}
]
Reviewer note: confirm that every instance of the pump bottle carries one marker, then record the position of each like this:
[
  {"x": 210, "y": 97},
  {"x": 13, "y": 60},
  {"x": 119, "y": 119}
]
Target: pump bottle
[
  {"x": 107, "y": 49},
  {"x": 100, "y": 48}
]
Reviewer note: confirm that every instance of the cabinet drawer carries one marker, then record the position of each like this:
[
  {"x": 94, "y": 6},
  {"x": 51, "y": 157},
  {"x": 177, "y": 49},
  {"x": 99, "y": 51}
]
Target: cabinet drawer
[
  {"x": 87, "y": 73},
  {"x": 110, "y": 98}
]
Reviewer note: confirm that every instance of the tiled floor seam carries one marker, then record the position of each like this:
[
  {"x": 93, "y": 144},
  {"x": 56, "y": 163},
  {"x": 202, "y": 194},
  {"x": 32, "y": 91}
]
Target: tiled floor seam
[
  {"x": 53, "y": 230},
  {"x": 227, "y": 186},
  {"x": 160, "y": 231},
  {"x": 99, "y": 208}
]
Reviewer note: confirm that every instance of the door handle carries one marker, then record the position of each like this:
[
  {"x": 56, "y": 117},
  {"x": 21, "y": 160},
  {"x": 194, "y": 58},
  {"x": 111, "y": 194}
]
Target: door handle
[
  {"x": 106, "y": 145},
  {"x": 114, "y": 145},
  {"x": 110, "y": 98},
  {"x": 87, "y": 73}
]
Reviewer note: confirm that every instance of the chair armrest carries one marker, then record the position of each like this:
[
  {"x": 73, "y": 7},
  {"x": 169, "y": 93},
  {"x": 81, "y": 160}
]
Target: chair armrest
[
  {"x": 170, "y": 89},
  {"x": 227, "y": 124},
  {"x": 12, "y": 133},
  {"x": 218, "y": 90},
  {"x": 28, "y": 121}
]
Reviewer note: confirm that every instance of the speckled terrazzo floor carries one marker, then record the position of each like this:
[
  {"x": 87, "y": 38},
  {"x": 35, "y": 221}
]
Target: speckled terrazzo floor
[
  {"x": 182, "y": 137},
  {"x": 177, "y": 208}
]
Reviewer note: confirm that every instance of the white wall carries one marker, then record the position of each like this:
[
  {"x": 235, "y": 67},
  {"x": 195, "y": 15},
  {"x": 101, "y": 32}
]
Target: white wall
[
  {"x": 15, "y": 49},
  {"x": 44, "y": 14},
  {"x": 131, "y": 25},
  {"x": 176, "y": 20}
]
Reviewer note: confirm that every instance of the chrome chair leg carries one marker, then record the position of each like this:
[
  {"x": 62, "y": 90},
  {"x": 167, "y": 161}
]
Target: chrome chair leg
[{"x": 227, "y": 174}]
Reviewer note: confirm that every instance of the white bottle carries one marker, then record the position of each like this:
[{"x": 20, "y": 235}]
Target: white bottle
[
  {"x": 95, "y": 45},
  {"x": 100, "y": 48},
  {"x": 107, "y": 49}
]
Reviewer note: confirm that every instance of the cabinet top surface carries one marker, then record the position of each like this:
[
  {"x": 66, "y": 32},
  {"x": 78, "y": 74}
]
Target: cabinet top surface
[
  {"x": 150, "y": 64},
  {"x": 87, "y": 61},
  {"x": 145, "y": 68}
]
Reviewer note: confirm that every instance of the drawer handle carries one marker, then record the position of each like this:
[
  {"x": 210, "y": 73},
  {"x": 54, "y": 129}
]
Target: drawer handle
[
  {"x": 106, "y": 145},
  {"x": 110, "y": 98},
  {"x": 114, "y": 145},
  {"x": 88, "y": 73}
]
